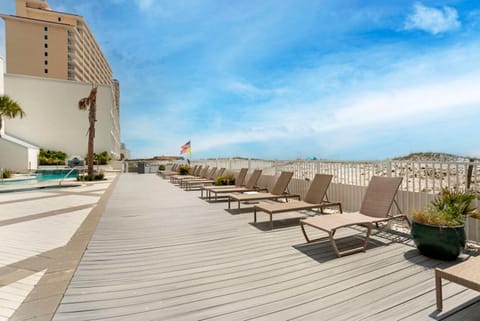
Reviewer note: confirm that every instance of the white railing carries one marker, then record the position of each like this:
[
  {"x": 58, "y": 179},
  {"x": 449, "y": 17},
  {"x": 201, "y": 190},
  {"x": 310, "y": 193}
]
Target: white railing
[
  {"x": 427, "y": 177},
  {"x": 422, "y": 180}
]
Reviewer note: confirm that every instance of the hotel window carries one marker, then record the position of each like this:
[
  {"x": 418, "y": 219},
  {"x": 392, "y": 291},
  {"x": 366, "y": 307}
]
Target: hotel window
[
  {"x": 46, "y": 62},
  {"x": 46, "y": 54},
  {"x": 45, "y": 28},
  {"x": 46, "y": 71},
  {"x": 46, "y": 45},
  {"x": 46, "y": 37},
  {"x": 59, "y": 18}
]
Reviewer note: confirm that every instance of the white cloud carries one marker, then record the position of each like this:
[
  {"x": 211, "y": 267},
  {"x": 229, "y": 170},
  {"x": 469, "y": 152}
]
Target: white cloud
[
  {"x": 251, "y": 91},
  {"x": 144, "y": 5},
  {"x": 152, "y": 9},
  {"x": 400, "y": 100},
  {"x": 432, "y": 20}
]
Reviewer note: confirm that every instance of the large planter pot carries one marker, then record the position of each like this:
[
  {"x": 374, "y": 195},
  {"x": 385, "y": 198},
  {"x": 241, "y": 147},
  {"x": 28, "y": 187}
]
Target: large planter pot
[{"x": 439, "y": 242}]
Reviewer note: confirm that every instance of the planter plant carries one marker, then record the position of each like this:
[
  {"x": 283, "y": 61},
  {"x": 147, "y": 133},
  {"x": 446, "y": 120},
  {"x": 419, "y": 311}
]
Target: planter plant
[
  {"x": 439, "y": 230},
  {"x": 183, "y": 169},
  {"x": 226, "y": 179}
]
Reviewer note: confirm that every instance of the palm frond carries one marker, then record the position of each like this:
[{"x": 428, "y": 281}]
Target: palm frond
[
  {"x": 83, "y": 103},
  {"x": 10, "y": 108}
]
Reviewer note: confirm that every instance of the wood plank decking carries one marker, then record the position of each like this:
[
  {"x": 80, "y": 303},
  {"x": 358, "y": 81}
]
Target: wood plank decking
[{"x": 161, "y": 253}]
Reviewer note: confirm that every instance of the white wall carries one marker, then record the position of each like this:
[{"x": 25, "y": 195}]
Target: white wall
[
  {"x": 12, "y": 156},
  {"x": 53, "y": 120},
  {"x": 32, "y": 158},
  {"x": 2, "y": 125}
]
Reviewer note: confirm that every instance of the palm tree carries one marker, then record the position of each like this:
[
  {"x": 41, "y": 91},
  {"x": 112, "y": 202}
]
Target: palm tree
[
  {"x": 9, "y": 108},
  {"x": 90, "y": 103}
]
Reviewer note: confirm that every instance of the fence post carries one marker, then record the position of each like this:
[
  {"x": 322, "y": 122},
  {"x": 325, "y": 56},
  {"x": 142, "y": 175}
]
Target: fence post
[
  {"x": 389, "y": 168},
  {"x": 469, "y": 171}
]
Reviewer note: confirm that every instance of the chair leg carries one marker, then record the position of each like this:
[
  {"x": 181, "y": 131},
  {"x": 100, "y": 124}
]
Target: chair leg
[
  {"x": 367, "y": 237},
  {"x": 331, "y": 237},
  {"x": 271, "y": 221},
  {"x": 438, "y": 290},
  {"x": 312, "y": 240},
  {"x": 334, "y": 243},
  {"x": 255, "y": 215},
  {"x": 304, "y": 233}
]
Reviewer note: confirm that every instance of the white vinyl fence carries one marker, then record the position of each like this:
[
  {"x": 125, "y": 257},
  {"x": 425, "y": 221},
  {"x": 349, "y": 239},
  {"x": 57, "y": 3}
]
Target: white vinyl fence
[{"x": 422, "y": 180}]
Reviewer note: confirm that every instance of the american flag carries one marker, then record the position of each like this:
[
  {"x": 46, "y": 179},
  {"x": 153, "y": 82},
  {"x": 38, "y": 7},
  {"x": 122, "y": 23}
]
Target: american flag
[{"x": 186, "y": 148}]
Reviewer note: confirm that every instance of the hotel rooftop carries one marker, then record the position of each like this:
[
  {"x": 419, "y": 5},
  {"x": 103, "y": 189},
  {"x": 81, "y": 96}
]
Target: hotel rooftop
[{"x": 137, "y": 247}]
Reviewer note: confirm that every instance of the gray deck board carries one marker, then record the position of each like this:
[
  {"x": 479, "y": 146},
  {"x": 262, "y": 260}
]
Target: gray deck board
[{"x": 161, "y": 253}]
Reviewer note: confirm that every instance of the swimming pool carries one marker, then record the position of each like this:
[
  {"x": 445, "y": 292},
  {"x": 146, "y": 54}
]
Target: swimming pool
[{"x": 38, "y": 178}]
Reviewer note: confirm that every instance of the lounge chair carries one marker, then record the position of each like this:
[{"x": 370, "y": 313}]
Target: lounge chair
[
  {"x": 278, "y": 191},
  {"x": 191, "y": 173},
  {"x": 239, "y": 182},
  {"x": 205, "y": 174},
  {"x": 200, "y": 182},
  {"x": 249, "y": 187},
  {"x": 316, "y": 198},
  {"x": 466, "y": 273},
  {"x": 378, "y": 200},
  {"x": 172, "y": 171},
  {"x": 196, "y": 172}
]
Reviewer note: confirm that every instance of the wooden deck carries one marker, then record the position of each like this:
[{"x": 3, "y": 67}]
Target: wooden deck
[{"x": 161, "y": 253}]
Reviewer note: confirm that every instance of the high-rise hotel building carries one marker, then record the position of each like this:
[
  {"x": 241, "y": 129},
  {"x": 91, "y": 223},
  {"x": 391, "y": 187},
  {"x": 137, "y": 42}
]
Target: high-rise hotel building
[
  {"x": 52, "y": 59},
  {"x": 45, "y": 43}
]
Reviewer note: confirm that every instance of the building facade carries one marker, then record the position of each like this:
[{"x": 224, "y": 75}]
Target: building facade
[
  {"x": 52, "y": 61},
  {"x": 15, "y": 154},
  {"x": 50, "y": 44}
]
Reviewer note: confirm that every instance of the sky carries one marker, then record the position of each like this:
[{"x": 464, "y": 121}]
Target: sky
[{"x": 332, "y": 79}]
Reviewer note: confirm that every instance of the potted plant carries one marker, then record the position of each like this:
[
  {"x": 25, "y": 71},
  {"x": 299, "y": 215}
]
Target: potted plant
[
  {"x": 183, "y": 169},
  {"x": 439, "y": 230},
  {"x": 226, "y": 179}
]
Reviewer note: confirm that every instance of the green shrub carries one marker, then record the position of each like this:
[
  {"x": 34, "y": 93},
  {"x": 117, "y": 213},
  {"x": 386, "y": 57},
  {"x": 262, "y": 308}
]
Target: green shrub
[
  {"x": 183, "y": 169},
  {"x": 226, "y": 179},
  {"x": 51, "y": 157},
  {"x": 100, "y": 159},
  {"x": 7, "y": 173},
  {"x": 161, "y": 167}
]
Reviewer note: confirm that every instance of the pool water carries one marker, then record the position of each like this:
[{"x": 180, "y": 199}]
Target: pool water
[{"x": 33, "y": 179}]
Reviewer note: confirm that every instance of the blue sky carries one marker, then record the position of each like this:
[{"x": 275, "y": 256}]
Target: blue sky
[{"x": 351, "y": 80}]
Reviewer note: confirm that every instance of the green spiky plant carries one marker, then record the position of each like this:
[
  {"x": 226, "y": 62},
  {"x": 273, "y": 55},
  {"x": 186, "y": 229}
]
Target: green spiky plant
[
  {"x": 226, "y": 179},
  {"x": 449, "y": 208},
  {"x": 183, "y": 169}
]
